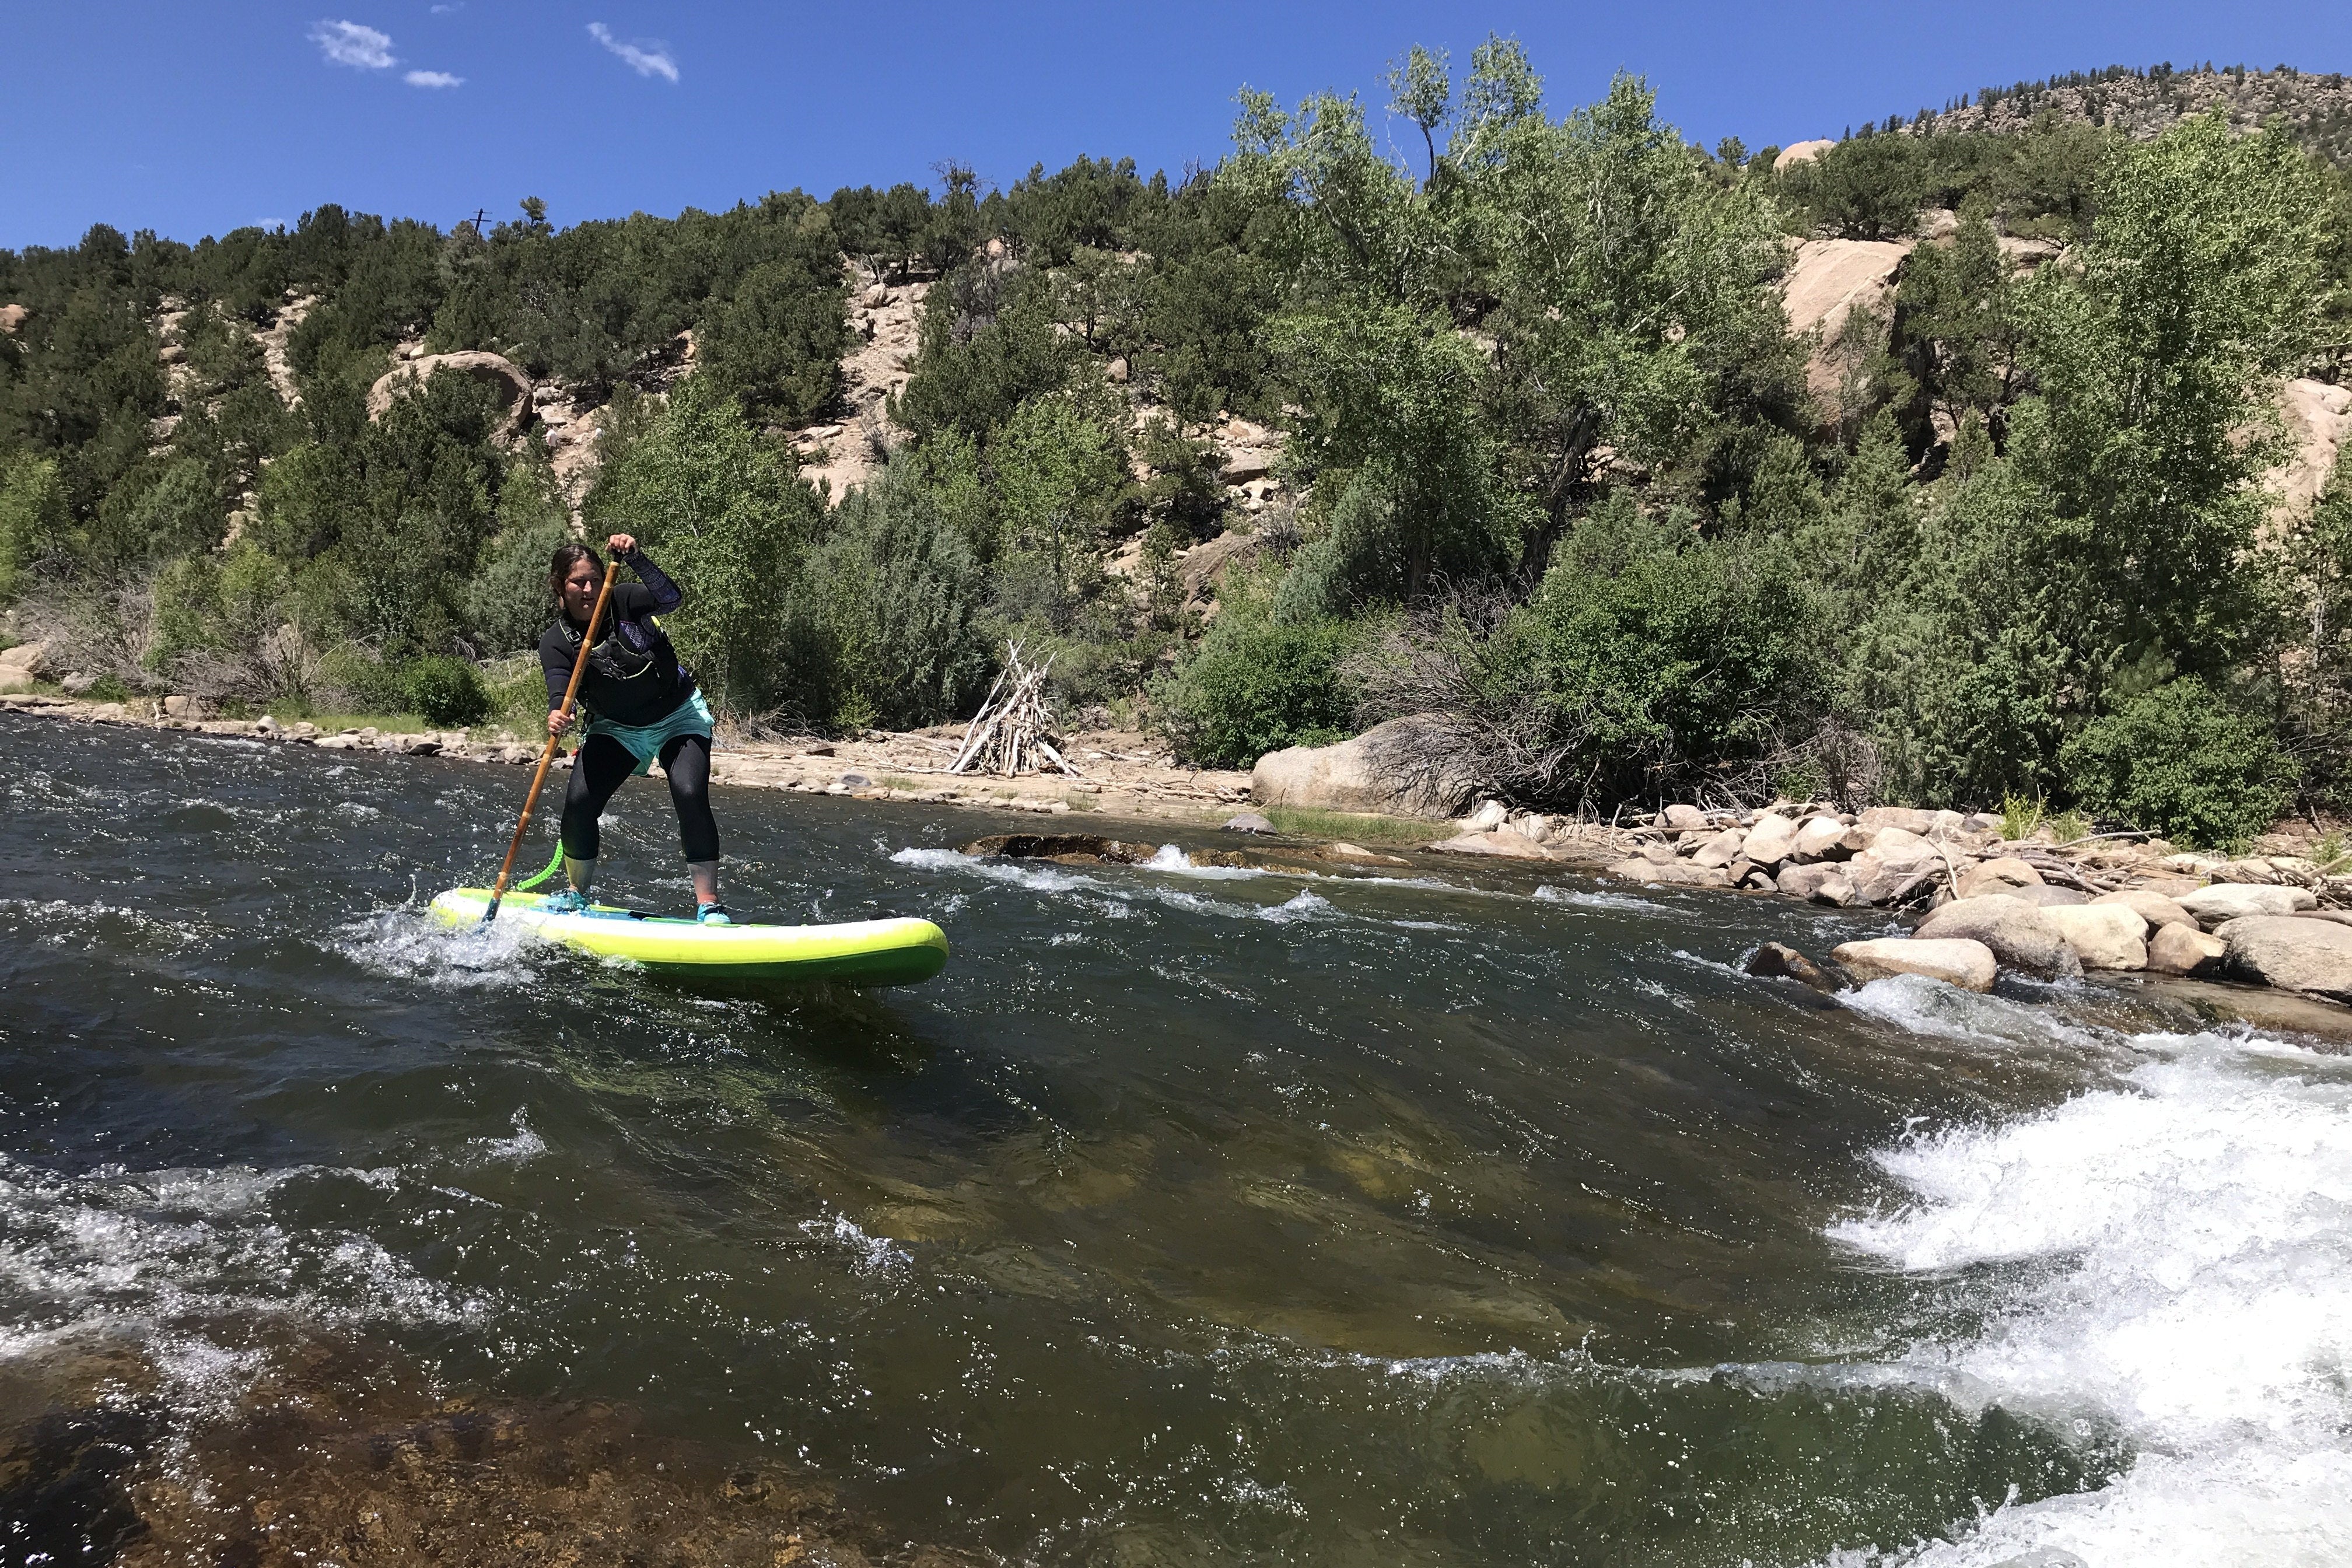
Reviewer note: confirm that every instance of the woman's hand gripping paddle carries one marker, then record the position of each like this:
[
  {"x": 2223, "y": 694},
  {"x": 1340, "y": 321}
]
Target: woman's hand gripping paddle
[{"x": 547, "y": 754}]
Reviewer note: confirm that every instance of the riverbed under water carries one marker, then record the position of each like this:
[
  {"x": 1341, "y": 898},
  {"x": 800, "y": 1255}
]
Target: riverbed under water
[{"x": 1189, "y": 1217}]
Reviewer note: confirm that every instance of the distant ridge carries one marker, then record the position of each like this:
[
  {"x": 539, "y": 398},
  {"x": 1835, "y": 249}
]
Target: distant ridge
[{"x": 2314, "y": 109}]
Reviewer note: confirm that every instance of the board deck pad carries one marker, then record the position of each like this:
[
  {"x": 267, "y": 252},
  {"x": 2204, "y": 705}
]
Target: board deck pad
[{"x": 897, "y": 952}]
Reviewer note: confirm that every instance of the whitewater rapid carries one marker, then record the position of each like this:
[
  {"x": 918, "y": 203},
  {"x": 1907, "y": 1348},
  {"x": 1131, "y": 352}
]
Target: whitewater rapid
[{"x": 2168, "y": 1256}]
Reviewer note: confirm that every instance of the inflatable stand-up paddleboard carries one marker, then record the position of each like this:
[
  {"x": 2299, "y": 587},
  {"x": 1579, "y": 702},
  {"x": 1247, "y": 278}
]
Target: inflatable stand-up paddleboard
[{"x": 899, "y": 951}]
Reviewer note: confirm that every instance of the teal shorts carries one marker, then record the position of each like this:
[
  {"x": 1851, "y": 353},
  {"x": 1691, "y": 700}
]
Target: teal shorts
[{"x": 691, "y": 717}]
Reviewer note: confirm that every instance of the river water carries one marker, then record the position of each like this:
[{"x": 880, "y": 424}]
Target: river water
[{"x": 1189, "y": 1217}]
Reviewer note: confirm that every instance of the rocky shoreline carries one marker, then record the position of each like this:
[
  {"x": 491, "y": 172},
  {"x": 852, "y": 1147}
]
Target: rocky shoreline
[{"x": 1980, "y": 904}]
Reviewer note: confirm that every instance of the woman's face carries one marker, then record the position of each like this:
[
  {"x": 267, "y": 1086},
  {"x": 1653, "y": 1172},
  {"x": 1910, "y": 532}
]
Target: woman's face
[{"x": 579, "y": 590}]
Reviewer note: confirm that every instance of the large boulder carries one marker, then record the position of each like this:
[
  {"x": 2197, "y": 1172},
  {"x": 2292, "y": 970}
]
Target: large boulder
[
  {"x": 1773, "y": 961},
  {"x": 22, "y": 665},
  {"x": 1827, "y": 282},
  {"x": 1908, "y": 818},
  {"x": 1998, "y": 876},
  {"x": 1797, "y": 152},
  {"x": 2152, "y": 907},
  {"x": 1366, "y": 774},
  {"x": 1804, "y": 881},
  {"x": 2175, "y": 948},
  {"x": 496, "y": 372},
  {"x": 2042, "y": 894},
  {"x": 2226, "y": 901},
  {"x": 2314, "y": 957},
  {"x": 2104, "y": 936},
  {"x": 1970, "y": 965},
  {"x": 2019, "y": 935},
  {"x": 1720, "y": 850},
  {"x": 1772, "y": 838},
  {"x": 1827, "y": 839}
]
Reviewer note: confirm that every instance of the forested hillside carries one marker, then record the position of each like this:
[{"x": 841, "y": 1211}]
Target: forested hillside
[{"x": 1513, "y": 433}]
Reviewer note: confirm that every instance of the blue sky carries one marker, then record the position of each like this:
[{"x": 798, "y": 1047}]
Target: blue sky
[{"x": 193, "y": 118}]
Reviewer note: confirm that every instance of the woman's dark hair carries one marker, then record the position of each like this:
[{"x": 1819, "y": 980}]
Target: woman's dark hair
[{"x": 568, "y": 554}]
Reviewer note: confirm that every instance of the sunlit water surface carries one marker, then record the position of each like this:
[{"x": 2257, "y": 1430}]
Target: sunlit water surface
[{"x": 1189, "y": 1217}]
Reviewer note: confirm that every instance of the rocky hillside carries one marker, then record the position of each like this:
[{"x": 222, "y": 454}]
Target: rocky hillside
[{"x": 2316, "y": 110}]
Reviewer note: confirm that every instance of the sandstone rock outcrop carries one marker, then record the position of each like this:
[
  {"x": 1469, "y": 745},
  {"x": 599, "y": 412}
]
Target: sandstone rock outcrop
[{"x": 496, "y": 372}]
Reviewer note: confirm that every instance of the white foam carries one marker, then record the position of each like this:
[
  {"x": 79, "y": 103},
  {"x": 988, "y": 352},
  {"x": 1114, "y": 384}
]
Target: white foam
[
  {"x": 867, "y": 1254},
  {"x": 523, "y": 1147},
  {"x": 1577, "y": 898},
  {"x": 1919, "y": 1005},
  {"x": 2171, "y": 1255},
  {"x": 1171, "y": 858},
  {"x": 160, "y": 1255},
  {"x": 408, "y": 943}
]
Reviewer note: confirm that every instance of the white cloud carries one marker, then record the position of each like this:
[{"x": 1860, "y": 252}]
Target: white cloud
[
  {"x": 350, "y": 44},
  {"x": 646, "y": 57},
  {"x": 434, "y": 78}
]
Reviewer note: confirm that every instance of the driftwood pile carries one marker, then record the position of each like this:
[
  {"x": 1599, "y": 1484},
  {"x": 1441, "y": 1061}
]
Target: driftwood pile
[{"x": 1012, "y": 733}]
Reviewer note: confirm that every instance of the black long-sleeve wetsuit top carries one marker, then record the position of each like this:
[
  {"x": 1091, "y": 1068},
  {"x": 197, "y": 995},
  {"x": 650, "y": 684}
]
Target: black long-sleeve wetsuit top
[{"x": 634, "y": 678}]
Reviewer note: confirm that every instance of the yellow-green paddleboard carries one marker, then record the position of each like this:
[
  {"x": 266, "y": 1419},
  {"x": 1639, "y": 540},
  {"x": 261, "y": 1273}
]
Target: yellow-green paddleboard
[{"x": 857, "y": 952}]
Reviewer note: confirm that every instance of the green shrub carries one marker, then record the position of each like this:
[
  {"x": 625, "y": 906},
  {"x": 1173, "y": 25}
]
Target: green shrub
[
  {"x": 355, "y": 678},
  {"x": 446, "y": 690},
  {"x": 1256, "y": 685},
  {"x": 882, "y": 616},
  {"x": 2184, "y": 762}
]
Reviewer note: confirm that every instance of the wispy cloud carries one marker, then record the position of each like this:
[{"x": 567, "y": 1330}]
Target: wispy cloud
[
  {"x": 646, "y": 57},
  {"x": 434, "y": 78},
  {"x": 350, "y": 44}
]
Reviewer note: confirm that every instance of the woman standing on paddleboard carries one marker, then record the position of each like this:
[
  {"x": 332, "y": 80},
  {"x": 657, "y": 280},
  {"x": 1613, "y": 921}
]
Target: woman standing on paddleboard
[{"x": 643, "y": 708}]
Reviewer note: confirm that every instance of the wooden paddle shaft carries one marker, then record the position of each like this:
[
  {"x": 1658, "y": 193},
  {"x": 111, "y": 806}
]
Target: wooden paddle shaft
[{"x": 547, "y": 753}]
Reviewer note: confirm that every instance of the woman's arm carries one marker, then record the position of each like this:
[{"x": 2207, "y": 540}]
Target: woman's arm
[{"x": 667, "y": 594}]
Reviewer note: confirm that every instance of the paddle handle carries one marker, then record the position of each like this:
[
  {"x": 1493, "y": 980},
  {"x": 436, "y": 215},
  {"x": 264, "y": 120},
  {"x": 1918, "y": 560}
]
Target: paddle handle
[{"x": 547, "y": 753}]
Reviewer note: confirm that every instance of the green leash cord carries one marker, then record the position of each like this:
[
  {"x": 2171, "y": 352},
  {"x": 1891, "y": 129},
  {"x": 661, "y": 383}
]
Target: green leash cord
[{"x": 544, "y": 876}]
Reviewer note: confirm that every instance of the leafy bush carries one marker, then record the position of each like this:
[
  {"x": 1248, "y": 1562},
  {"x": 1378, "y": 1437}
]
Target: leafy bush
[
  {"x": 2183, "y": 762},
  {"x": 1256, "y": 685},
  {"x": 446, "y": 690},
  {"x": 884, "y": 612},
  {"x": 724, "y": 511}
]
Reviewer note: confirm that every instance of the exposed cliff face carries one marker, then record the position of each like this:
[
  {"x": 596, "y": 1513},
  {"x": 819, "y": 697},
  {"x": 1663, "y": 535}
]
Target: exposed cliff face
[{"x": 2314, "y": 109}]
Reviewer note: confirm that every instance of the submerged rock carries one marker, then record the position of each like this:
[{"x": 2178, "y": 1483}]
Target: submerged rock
[
  {"x": 1083, "y": 847},
  {"x": 1955, "y": 961},
  {"x": 1773, "y": 961}
]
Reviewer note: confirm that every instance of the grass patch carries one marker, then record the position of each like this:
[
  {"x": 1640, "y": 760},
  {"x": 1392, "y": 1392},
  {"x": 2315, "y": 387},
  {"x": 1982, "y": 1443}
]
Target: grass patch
[
  {"x": 1313, "y": 822},
  {"x": 2019, "y": 816}
]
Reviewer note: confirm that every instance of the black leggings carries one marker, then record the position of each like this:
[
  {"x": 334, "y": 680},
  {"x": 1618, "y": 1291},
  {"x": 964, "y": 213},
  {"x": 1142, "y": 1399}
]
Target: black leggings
[{"x": 602, "y": 765}]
